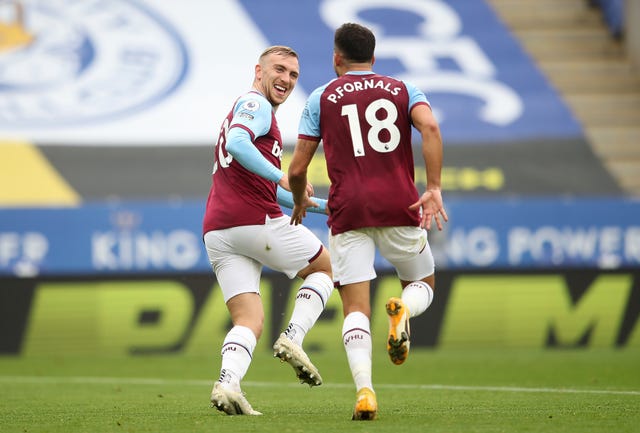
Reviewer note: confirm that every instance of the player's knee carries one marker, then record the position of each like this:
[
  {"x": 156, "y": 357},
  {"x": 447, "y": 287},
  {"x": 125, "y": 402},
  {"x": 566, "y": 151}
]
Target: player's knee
[
  {"x": 431, "y": 281},
  {"x": 322, "y": 264},
  {"x": 322, "y": 283}
]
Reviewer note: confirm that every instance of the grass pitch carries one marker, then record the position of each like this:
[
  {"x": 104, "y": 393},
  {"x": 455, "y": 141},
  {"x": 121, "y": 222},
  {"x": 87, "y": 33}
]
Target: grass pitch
[{"x": 466, "y": 391}]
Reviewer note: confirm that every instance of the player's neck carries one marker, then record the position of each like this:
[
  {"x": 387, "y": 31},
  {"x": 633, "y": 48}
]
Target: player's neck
[
  {"x": 356, "y": 67},
  {"x": 359, "y": 67}
]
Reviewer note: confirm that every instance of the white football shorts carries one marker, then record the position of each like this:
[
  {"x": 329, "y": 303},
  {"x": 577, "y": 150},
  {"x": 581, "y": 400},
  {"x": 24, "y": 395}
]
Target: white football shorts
[
  {"x": 406, "y": 248},
  {"x": 238, "y": 254}
]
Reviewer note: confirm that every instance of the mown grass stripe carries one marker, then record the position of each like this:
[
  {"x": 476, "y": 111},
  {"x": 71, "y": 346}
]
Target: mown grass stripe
[{"x": 201, "y": 382}]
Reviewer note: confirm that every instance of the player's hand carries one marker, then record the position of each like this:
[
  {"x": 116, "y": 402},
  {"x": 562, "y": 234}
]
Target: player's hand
[
  {"x": 432, "y": 208},
  {"x": 284, "y": 183},
  {"x": 300, "y": 210}
]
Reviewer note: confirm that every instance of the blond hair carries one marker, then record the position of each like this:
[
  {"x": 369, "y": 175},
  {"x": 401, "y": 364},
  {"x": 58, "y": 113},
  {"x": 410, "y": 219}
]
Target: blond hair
[{"x": 279, "y": 49}]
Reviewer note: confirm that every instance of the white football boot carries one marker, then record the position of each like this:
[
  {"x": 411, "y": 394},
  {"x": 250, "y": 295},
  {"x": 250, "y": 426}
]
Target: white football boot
[
  {"x": 230, "y": 402},
  {"x": 290, "y": 352}
]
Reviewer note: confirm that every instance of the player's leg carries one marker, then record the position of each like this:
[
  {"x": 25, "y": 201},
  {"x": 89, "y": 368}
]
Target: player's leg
[
  {"x": 237, "y": 351},
  {"x": 356, "y": 337},
  {"x": 239, "y": 279},
  {"x": 296, "y": 251},
  {"x": 352, "y": 257},
  {"x": 312, "y": 296},
  {"x": 408, "y": 250},
  {"x": 310, "y": 301}
]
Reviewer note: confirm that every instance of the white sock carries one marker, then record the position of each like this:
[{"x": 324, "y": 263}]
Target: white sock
[
  {"x": 237, "y": 350},
  {"x": 310, "y": 301},
  {"x": 356, "y": 336},
  {"x": 417, "y": 296}
]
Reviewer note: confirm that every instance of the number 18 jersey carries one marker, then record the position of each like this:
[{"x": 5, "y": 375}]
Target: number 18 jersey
[{"x": 364, "y": 122}]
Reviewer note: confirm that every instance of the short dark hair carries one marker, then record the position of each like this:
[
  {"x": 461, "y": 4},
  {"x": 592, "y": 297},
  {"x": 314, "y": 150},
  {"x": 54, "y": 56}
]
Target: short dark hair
[{"x": 355, "y": 42}]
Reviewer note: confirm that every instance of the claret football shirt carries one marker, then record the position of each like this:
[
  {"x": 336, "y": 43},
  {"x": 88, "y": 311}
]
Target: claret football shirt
[
  {"x": 364, "y": 122},
  {"x": 238, "y": 196}
]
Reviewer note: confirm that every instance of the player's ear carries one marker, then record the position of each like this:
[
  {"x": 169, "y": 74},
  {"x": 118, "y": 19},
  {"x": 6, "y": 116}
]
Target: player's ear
[
  {"x": 258, "y": 71},
  {"x": 373, "y": 60}
]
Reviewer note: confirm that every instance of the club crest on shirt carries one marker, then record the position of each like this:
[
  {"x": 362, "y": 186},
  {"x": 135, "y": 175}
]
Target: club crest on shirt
[{"x": 72, "y": 62}]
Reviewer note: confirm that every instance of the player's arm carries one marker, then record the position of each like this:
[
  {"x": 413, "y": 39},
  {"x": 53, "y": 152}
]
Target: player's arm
[
  {"x": 250, "y": 158},
  {"x": 252, "y": 118},
  {"x": 285, "y": 198},
  {"x": 431, "y": 201},
  {"x": 302, "y": 156},
  {"x": 240, "y": 146},
  {"x": 306, "y": 146}
]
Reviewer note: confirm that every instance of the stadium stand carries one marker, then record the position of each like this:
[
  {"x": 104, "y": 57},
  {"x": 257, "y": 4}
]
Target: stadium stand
[
  {"x": 613, "y": 13},
  {"x": 549, "y": 171},
  {"x": 99, "y": 194},
  {"x": 572, "y": 43}
]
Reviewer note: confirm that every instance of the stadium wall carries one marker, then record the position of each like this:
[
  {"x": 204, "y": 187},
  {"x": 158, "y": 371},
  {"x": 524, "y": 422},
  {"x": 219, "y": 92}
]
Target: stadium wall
[
  {"x": 132, "y": 278},
  {"x": 185, "y": 314}
]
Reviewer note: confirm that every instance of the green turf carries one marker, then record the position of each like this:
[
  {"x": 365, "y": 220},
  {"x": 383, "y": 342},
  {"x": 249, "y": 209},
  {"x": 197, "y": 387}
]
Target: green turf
[{"x": 435, "y": 391}]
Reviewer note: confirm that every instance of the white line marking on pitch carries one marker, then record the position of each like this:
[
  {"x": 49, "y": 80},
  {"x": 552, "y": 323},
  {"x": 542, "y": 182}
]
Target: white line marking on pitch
[{"x": 205, "y": 383}]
